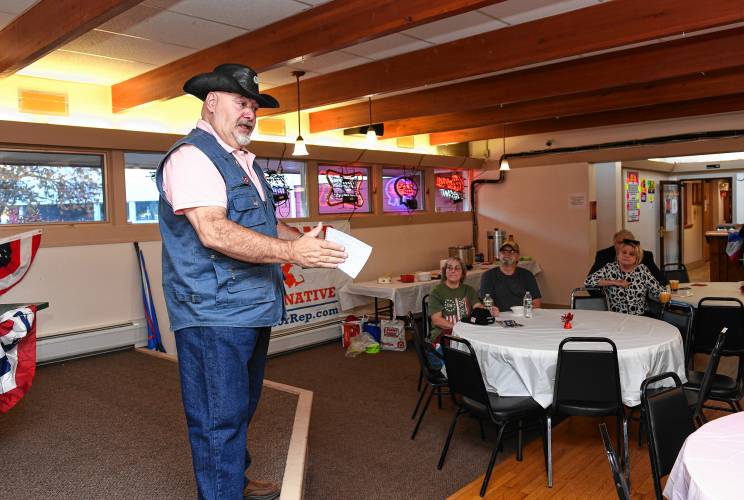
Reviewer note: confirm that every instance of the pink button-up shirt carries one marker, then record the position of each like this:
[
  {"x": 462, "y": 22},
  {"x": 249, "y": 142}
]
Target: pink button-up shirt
[{"x": 191, "y": 180}]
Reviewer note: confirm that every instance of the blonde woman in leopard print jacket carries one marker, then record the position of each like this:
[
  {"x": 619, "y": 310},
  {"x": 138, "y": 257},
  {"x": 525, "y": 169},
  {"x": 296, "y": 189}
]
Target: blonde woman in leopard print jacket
[{"x": 626, "y": 280}]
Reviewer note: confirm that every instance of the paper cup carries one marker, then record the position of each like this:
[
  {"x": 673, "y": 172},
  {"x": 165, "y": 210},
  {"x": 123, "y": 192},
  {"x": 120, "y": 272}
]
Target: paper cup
[{"x": 518, "y": 310}]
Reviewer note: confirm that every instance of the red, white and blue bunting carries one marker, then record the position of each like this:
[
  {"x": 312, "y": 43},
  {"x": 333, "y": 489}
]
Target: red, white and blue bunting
[
  {"x": 17, "y": 355},
  {"x": 17, "y": 252}
]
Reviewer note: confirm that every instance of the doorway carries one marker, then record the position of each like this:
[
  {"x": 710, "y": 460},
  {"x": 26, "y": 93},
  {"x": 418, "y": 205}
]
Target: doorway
[{"x": 707, "y": 206}]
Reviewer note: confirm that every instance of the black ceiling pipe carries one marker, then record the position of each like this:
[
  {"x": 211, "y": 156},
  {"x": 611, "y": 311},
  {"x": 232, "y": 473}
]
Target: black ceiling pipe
[
  {"x": 651, "y": 141},
  {"x": 474, "y": 201}
]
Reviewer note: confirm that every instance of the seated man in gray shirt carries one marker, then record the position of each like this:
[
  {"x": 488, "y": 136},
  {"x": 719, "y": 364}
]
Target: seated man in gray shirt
[{"x": 508, "y": 283}]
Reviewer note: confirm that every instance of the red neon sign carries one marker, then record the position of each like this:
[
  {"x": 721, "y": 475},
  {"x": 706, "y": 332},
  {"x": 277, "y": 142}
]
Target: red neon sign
[{"x": 452, "y": 182}]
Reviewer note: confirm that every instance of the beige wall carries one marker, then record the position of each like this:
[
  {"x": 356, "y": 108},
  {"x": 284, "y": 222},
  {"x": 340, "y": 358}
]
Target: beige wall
[
  {"x": 87, "y": 286},
  {"x": 533, "y": 204},
  {"x": 410, "y": 248},
  {"x": 693, "y": 242},
  {"x": 98, "y": 285}
]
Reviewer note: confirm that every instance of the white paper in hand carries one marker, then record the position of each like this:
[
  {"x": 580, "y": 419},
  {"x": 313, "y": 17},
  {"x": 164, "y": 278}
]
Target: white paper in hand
[{"x": 357, "y": 250}]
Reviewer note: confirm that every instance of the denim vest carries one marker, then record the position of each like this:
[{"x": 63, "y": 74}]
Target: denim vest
[{"x": 203, "y": 287}]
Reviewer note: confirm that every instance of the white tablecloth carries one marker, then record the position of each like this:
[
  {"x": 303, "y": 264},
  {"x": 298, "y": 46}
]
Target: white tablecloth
[
  {"x": 710, "y": 463},
  {"x": 407, "y": 296},
  {"x": 710, "y": 289},
  {"x": 521, "y": 361}
]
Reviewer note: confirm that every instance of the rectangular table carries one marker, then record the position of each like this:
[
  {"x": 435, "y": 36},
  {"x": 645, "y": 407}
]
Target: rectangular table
[{"x": 406, "y": 297}]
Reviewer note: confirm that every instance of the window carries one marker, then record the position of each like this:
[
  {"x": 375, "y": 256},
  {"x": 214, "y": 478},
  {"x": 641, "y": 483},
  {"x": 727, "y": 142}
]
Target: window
[
  {"x": 38, "y": 187},
  {"x": 288, "y": 186},
  {"x": 142, "y": 192},
  {"x": 343, "y": 189},
  {"x": 403, "y": 190},
  {"x": 452, "y": 190}
]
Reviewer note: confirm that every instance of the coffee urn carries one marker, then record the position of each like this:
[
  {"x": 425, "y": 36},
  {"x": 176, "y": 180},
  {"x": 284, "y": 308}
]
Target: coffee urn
[
  {"x": 495, "y": 239},
  {"x": 466, "y": 253}
]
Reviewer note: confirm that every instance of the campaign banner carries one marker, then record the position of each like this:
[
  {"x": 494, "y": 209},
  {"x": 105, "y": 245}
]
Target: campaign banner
[{"x": 310, "y": 294}]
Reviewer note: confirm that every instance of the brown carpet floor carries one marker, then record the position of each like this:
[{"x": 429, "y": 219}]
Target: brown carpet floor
[
  {"x": 112, "y": 426},
  {"x": 360, "y": 446}
]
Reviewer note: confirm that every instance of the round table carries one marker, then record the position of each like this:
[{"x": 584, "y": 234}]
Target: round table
[
  {"x": 710, "y": 462},
  {"x": 521, "y": 361},
  {"x": 691, "y": 293}
]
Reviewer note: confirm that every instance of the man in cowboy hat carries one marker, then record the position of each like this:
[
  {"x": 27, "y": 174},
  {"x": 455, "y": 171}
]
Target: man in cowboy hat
[{"x": 222, "y": 246}]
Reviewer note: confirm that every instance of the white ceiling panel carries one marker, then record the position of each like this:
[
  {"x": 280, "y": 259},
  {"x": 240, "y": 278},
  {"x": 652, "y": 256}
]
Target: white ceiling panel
[
  {"x": 5, "y": 19},
  {"x": 16, "y": 6},
  {"x": 455, "y": 27},
  {"x": 387, "y": 46},
  {"x": 314, "y": 3},
  {"x": 171, "y": 27},
  {"x": 522, "y": 11},
  {"x": 280, "y": 76},
  {"x": 74, "y": 67},
  {"x": 126, "y": 47},
  {"x": 328, "y": 63},
  {"x": 249, "y": 15}
]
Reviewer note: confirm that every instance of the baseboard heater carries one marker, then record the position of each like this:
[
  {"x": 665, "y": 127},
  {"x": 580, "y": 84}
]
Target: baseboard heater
[
  {"x": 304, "y": 336},
  {"x": 80, "y": 343}
]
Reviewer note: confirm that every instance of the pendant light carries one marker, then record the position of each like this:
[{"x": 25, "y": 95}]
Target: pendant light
[
  {"x": 371, "y": 139},
  {"x": 504, "y": 163},
  {"x": 299, "y": 145}
]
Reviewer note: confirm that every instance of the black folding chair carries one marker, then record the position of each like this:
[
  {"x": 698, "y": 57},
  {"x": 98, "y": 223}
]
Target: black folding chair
[
  {"x": 426, "y": 322},
  {"x": 617, "y": 475},
  {"x": 681, "y": 315},
  {"x": 587, "y": 383},
  {"x": 589, "y": 298},
  {"x": 654, "y": 308},
  {"x": 676, "y": 271},
  {"x": 711, "y": 316},
  {"x": 435, "y": 379},
  {"x": 696, "y": 396},
  {"x": 669, "y": 422},
  {"x": 703, "y": 391},
  {"x": 470, "y": 396}
]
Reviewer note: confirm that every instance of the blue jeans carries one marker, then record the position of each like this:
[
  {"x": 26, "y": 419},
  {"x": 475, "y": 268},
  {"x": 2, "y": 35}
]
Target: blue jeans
[
  {"x": 436, "y": 362},
  {"x": 222, "y": 371}
]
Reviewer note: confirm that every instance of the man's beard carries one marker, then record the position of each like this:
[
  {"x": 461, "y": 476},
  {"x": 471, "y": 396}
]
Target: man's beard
[
  {"x": 508, "y": 261},
  {"x": 243, "y": 139}
]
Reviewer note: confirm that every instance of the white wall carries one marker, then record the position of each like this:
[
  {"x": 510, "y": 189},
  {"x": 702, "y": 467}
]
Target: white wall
[
  {"x": 533, "y": 204},
  {"x": 609, "y": 196}
]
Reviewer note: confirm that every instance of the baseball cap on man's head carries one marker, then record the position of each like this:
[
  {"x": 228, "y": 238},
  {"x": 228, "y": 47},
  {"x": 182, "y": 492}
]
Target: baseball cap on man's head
[{"x": 510, "y": 246}]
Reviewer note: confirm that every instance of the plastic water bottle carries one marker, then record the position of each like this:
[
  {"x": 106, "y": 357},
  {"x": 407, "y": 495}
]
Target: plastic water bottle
[
  {"x": 488, "y": 302},
  {"x": 527, "y": 303}
]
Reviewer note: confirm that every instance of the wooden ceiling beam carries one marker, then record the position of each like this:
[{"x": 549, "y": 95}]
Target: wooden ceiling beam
[
  {"x": 694, "y": 87},
  {"x": 50, "y": 24},
  {"x": 694, "y": 55},
  {"x": 328, "y": 27},
  {"x": 709, "y": 106},
  {"x": 605, "y": 26}
]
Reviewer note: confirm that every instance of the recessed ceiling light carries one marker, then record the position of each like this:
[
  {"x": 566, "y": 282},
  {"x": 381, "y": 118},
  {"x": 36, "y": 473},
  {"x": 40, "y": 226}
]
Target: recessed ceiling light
[{"x": 702, "y": 158}]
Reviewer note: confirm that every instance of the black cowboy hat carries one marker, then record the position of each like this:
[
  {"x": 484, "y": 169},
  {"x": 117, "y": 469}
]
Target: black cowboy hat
[{"x": 234, "y": 78}]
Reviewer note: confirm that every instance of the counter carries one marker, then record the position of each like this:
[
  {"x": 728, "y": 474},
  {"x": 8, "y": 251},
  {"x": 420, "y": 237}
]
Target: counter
[{"x": 721, "y": 267}]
